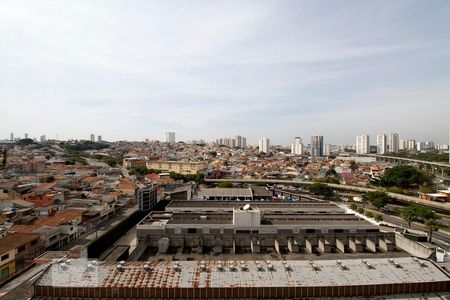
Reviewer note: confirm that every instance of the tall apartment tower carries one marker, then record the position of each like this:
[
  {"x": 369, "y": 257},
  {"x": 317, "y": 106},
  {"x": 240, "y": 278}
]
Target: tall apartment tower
[
  {"x": 244, "y": 142},
  {"x": 238, "y": 140},
  {"x": 381, "y": 144},
  {"x": 411, "y": 145},
  {"x": 26, "y": 135},
  {"x": 169, "y": 137},
  {"x": 11, "y": 136},
  {"x": 264, "y": 145},
  {"x": 92, "y": 137},
  {"x": 393, "y": 142},
  {"x": 362, "y": 144},
  {"x": 43, "y": 138},
  {"x": 99, "y": 138},
  {"x": 317, "y": 145},
  {"x": 297, "y": 147}
]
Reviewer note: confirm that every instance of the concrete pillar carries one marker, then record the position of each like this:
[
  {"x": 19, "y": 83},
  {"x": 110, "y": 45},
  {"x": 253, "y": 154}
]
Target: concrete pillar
[
  {"x": 254, "y": 245},
  {"x": 217, "y": 249},
  {"x": 308, "y": 246},
  {"x": 234, "y": 247},
  {"x": 324, "y": 246},
  {"x": 163, "y": 245},
  {"x": 199, "y": 249},
  {"x": 355, "y": 245},
  {"x": 371, "y": 244},
  {"x": 293, "y": 245},
  {"x": 340, "y": 245},
  {"x": 277, "y": 246},
  {"x": 386, "y": 245}
]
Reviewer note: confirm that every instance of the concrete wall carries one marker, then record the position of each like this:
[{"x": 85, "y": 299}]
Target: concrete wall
[{"x": 414, "y": 248}]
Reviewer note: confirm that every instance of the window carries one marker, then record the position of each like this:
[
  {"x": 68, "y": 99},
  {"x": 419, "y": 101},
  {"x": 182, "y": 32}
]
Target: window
[
  {"x": 21, "y": 249},
  {"x": 5, "y": 257},
  {"x": 34, "y": 242}
]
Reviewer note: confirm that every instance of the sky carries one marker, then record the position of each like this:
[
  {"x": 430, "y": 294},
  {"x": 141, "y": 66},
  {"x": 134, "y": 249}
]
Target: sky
[{"x": 131, "y": 70}]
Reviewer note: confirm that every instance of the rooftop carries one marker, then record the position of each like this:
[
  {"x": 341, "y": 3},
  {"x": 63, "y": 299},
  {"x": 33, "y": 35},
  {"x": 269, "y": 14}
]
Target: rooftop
[{"x": 196, "y": 274}]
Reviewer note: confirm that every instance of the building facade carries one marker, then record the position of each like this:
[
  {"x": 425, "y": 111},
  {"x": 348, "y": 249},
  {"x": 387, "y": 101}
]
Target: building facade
[
  {"x": 317, "y": 145},
  {"x": 297, "y": 147},
  {"x": 381, "y": 144},
  {"x": 169, "y": 137},
  {"x": 182, "y": 167},
  {"x": 264, "y": 145},
  {"x": 393, "y": 143},
  {"x": 362, "y": 144}
]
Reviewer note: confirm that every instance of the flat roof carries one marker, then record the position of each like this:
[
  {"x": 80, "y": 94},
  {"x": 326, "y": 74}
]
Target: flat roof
[
  {"x": 189, "y": 274},
  {"x": 227, "y": 192}
]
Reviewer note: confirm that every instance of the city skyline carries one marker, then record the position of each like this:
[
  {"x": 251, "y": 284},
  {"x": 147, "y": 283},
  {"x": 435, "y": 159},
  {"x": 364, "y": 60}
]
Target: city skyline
[{"x": 255, "y": 67}]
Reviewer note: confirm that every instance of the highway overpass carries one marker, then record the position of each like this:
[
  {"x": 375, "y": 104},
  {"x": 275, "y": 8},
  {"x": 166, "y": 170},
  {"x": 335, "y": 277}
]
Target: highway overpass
[{"x": 443, "y": 207}]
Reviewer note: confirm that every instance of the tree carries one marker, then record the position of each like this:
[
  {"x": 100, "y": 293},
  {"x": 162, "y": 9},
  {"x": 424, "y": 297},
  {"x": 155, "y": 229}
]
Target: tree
[
  {"x": 378, "y": 199},
  {"x": 432, "y": 226},
  {"x": 360, "y": 210},
  {"x": 213, "y": 153},
  {"x": 353, "y": 206},
  {"x": 409, "y": 214},
  {"x": 225, "y": 184},
  {"x": 321, "y": 189},
  {"x": 369, "y": 214},
  {"x": 4, "y": 157},
  {"x": 378, "y": 218},
  {"x": 405, "y": 176},
  {"x": 425, "y": 213},
  {"x": 353, "y": 165}
]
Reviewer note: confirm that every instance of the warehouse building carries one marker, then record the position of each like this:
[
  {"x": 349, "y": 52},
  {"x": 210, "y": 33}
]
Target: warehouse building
[
  {"x": 285, "y": 227},
  {"x": 292, "y": 279}
]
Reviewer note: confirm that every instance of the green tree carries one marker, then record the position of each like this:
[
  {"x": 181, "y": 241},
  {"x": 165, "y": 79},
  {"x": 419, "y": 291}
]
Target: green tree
[
  {"x": 405, "y": 176},
  {"x": 5, "y": 154},
  {"x": 353, "y": 206},
  {"x": 378, "y": 199},
  {"x": 432, "y": 226},
  {"x": 321, "y": 189},
  {"x": 225, "y": 184},
  {"x": 409, "y": 214},
  {"x": 353, "y": 165},
  {"x": 378, "y": 218},
  {"x": 369, "y": 214},
  {"x": 213, "y": 153},
  {"x": 425, "y": 213},
  {"x": 360, "y": 210}
]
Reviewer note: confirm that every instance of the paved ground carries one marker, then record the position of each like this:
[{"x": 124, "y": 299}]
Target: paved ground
[{"x": 20, "y": 288}]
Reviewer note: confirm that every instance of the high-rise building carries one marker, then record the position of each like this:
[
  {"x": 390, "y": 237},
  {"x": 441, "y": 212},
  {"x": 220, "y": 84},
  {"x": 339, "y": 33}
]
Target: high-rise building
[
  {"x": 147, "y": 197},
  {"x": 43, "y": 139},
  {"x": 381, "y": 144},
  {"x": 411, "y": 145},
  {"x": 99, "y": 138},
  {"x": 92, "y": 137},
  {"x": 26, "y": 135},
  {"x": 169, "y": 137},
  {"x": 297, "y": 147},
  {"x": 362, "y": 144},
  {"x": 238, "y": 140},
  {"x": 264, "y": 145},
  {"x": 317, "y": 145},
  {"x": 326, "y": 149},
  {"x": 402, "y": 145},
  {"x": 393, "y": 143},
  {"x": 244, "y": 142},
  {"x": 11, "y": 136}
]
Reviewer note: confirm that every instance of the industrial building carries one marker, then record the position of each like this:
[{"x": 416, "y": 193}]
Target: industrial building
[
  {"x": 286, "y": 227},
  {"x": 242, "y": 194},
  {"x": 147, "y": 197},
  {"x": 250, "y": 279}
]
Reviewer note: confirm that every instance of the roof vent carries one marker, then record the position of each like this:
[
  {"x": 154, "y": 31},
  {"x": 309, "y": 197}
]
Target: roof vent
[
  {"x": 147, "y": 267},
  {"x": 341, "y": 264},
  {"x": 258, "y": 266},
  {"x": 232, "y": 266},
  {"x": 247, "y": 207},
  {"x": 368, "y": 265},
  {"x": 220, "y": 267},
  {"x": 119, "y": 267},
  {"x": 286, "y": 266},
  {"x": 392, "y": 261},
  {"x": 421, "y": 263},
  {"x": 314, "y": 266},
  {"x": 203, "y": 266},
  {"x": 270, "y": 267}
]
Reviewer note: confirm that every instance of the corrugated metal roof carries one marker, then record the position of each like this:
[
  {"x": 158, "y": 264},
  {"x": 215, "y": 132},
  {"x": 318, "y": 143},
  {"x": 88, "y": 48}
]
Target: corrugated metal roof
[{"x": 192, "y": 274}]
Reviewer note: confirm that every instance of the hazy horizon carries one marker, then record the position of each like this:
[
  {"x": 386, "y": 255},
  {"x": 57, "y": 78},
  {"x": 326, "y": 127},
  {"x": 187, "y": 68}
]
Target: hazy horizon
[{"x": 209, "y": 69}]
